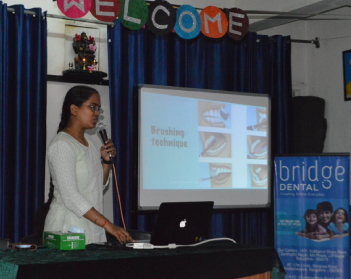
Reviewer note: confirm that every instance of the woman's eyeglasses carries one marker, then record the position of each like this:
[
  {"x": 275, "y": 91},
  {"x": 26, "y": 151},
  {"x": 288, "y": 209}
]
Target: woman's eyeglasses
[{"x": 96, "y": 108}]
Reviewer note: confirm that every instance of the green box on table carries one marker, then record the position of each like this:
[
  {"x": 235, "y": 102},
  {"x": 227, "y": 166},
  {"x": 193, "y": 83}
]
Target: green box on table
[{"x": 64, "y": 241}]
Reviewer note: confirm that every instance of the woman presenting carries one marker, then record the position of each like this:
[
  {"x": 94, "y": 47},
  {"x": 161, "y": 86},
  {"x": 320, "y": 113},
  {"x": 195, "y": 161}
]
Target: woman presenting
[{"x": 79, "y": 171}]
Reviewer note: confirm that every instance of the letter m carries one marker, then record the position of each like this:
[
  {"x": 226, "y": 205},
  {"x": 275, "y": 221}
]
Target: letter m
[{"x": 216, "y": 18}]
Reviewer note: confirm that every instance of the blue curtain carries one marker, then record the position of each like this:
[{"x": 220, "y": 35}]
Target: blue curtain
[
  {"x": 257, "y": 64},
  {"x": 23, "y": 119}
]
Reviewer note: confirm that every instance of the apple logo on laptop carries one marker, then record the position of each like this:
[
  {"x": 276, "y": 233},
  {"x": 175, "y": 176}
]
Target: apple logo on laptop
[{"x": 182, "y": 223}]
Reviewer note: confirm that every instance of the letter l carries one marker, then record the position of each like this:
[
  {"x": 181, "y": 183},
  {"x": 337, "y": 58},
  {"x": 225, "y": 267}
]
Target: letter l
[{"x": 129, "y": 18}]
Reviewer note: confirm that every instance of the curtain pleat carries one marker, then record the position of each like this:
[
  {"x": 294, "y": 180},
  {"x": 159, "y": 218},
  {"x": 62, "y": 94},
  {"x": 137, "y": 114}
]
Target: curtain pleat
[
  {"x": 23, "y": 121},
  {"x": 256, "y": 64}
]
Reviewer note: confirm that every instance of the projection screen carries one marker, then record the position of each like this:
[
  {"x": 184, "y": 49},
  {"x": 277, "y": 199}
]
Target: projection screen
[{"x": 202, "y": 145}]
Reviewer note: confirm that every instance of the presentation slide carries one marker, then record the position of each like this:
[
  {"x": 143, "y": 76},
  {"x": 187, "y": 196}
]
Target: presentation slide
[{"x": 203, "y": 145}]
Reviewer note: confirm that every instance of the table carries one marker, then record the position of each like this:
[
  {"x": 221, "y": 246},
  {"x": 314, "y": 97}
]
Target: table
[{"x": 211, "y": 260}]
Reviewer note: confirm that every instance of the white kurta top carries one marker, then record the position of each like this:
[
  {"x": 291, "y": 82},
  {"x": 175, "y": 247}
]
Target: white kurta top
[{"x": 77, "y": 175}]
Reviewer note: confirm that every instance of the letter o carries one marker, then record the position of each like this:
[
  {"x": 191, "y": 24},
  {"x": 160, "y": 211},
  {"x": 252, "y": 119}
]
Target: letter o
[{"x": 188, "y": 24}]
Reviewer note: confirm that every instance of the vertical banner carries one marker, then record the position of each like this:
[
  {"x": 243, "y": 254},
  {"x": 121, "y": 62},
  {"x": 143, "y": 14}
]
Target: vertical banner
[{"x": 312, "y": 215}]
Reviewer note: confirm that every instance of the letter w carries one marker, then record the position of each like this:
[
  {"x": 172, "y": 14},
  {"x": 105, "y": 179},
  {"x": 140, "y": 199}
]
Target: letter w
[{"x": 79, "y": 5}]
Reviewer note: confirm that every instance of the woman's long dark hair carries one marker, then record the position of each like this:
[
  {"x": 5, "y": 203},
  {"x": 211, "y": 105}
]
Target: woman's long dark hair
[{"x": 77, "y": 95}]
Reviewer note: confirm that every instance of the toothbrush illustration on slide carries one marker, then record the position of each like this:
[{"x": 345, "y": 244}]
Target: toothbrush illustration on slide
[
  {"x": 258, "y": 175},
  {"x": 215, "y": 173},
  {"x": 224, "y": 114},
  {"x": 212, "y": 140}
]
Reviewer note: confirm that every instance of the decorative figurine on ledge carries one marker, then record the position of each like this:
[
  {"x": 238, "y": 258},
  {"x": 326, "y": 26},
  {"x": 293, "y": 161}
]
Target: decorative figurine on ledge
[
  {"x": 85, "y": 62},
  {"x": 85, "y": 48}
]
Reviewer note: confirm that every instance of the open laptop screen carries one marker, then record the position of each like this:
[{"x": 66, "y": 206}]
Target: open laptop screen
[{"x": 182, "y": 223}]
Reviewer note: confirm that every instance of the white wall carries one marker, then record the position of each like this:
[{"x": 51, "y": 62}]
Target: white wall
[
  {"x": 318, "y": 72},
  {"x": 271, "y": 5},
  {"x": 57, "y": 53},
  {"x": 56, "y": 35},
  {"x": 325, "y": 75},
  {"x": 56, "y": 30}
]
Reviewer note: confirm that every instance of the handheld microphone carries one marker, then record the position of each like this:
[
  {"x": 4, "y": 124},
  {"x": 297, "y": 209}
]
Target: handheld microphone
[{"x": 101, "y": 128}]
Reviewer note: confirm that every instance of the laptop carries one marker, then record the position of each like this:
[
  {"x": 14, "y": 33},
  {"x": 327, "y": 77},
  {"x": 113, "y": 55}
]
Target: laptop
[{"x": 182, "y": 223}]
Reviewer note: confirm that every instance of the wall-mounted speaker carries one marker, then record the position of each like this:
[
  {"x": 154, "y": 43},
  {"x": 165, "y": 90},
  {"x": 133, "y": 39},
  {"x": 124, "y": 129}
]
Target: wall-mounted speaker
[{"x": 309, "y": 124}]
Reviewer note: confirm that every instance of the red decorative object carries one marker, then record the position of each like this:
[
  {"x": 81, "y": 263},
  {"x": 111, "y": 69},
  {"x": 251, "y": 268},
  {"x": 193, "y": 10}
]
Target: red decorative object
[
  {"x": 74, "y": 8},
  {"x": 105, "y": 10},
  {"x": 238, "y": 23}
]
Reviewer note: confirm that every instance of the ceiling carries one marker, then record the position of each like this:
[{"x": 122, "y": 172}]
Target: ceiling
[{"x": 313, "y": 11}]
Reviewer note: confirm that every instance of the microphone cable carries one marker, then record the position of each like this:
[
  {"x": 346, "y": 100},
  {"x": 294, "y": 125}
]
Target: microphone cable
[
  {"x": 119, "y": 197},
  {"x": 101, "y": 128}
]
